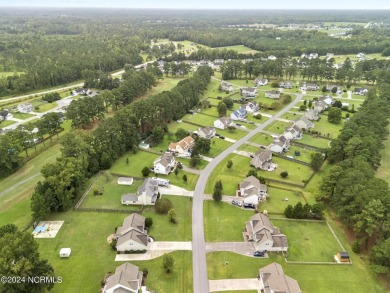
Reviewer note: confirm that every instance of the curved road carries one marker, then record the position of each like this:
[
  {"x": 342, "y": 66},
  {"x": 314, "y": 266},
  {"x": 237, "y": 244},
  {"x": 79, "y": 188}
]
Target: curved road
[{"x": 200, "y": 279}]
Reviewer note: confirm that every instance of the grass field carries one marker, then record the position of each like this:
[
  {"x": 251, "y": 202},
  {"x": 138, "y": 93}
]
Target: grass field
[
  {"x": 22, "y": 116},
  {"x": 5, "y": 123},
  {"x": 46, "y": 107},
  {"x": 262, "y": 139},
  {"x": 218, "y": 146},
  {"x": 165, "y": 84},
  {"x": 384, "y": 169},
  {"x": 186, "y": 162},
  {"x": 248, "y": 148},
  {"x": 324, "y": 127},
  {"x": 277, "y": 127},
  {"x": 305, "y": 153},
  {"x": 174, "y": 126},
  {"x": 239, "y": 48},
  {"x": 9, "y": 73},
  {"x": 314, "y": 141},
  {"x": 231, "y": 221},
  {"x": 276, "y": 203}
]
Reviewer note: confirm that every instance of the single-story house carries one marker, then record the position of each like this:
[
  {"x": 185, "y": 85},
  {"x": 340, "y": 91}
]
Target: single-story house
[
  {"x": 265, "y": 236},
  {"x": 252, "y": 190},
  {"x": 360, "y": 55},
  {"x": 184, "y": 146},
  {"x": 329, "y": 88},
  {"x": 286, "y": 84},
  {"x": 132, "y": 234},
  {"x": 238, "y": 114},
  {"x": 329, "y": 56},
  {"x": 125, "y": 181},
  {"x": 360, "y": 91},
  {"x": 312, "y": 114},
  {"x": 273, "y": 94},
  {"x": 273, "y": 279},
  {"x": 223, "y": 123},
  {"x": 263, "y": 160},
  {"x": 225, "y": 86},
  {"x": 292, "y": 132},
  {"x": 260, "y": 81},
  {"x": 272, "y": 57},
  {"x": 80, "y": 91},
  {"x": 303, "y": 123},
  {"x": 280, "y": 145},
  {"x": 146, "y": 194},
  {"x": 25, "y": 107},
  {"x": 218, "y": 62},
  {"x": 127, "y": 279},
  {"x": 251, "y": 107},
  {"x": 164, "y": 164},
  {"x": 207, "y": 132},
  {"x": 249, "y": 92},
  {"x": 313, "y": 56}
]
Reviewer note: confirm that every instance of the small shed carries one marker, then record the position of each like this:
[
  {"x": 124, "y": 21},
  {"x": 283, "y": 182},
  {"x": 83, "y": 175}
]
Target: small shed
[
  {"x": 65, "y": 252},
  {"x": 125, "y": 181},
  {"x": 343, "y": 256}
]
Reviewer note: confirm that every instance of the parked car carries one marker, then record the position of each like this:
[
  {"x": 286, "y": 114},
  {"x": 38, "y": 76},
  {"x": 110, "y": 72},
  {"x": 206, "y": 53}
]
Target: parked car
[
  {"x": 217, "y": 134},
  {"x": 221, "y": 137},
  {"x": 248, "y": 206},
  {"x": 238, "y": 124},
  {"x": 258, "y": 253},
  {"x": 236, "y": 203},
  {"x": 251, "y": 156}
]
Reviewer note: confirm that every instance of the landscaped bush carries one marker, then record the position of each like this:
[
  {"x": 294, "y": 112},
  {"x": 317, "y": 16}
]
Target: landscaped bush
[
  {"x": 284, "y": 174},
  {"x": 148, "y": 223},
  {"x": 257, "y": 116},
  {"x": 163, "y": 205}
]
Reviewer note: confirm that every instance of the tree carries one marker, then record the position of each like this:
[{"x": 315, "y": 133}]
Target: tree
[
  {"x": 145, "y": 172},
  {"x": 218, "y": 185},
  {"x": 168, "y": 263},
  {"x": 284, "y": 174},
  {"x": 289, "y": 212},
  {"x": 217, "y": 195},
  {"x": 222, "y": 109},
  {"x": 229, "y": 165},
  {"x": 181, "y": 133},
  {"x": 316, "y": 161},
  {"x": 176, "y": 171},
  {"x": 172, "y": 216},
  {"x": 194, "y": 161},
  {"x": 380, "y": 254},
  {"x": 258, "y": 116},
  {"x": 158, "y": 134},
  {"x": 148, "y": 222},
  {"x": 228, "y": 102},
  {"x": 185, "y": 178},
  {"x": 334, "y": 90},
  {"x": 163, "y": 205},
  {"x": 334, "y": 115},
  {"x": 202, "y": 146},
  {"x": 20, "y": 259},
  {"x": 302, "y": 107},
  {"x": 231, "y": 128}
]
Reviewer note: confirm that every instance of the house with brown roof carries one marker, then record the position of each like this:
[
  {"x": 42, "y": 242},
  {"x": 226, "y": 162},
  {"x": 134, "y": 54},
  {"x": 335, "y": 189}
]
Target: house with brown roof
[
  {"x": 127, "y": 279},
  {"x": 263, "y": 160},
  {"x": 252, "y": 190},
  {"x": 273, "y": 94},
  {"x": 146, "y": 194},
  {"x": 273, "y": 280},
  {"x": 183, "y": 146},
  {"x": 164, "y": 164},
  {"x": 265, "y": 236},
  {"x": 132, "y": 234}
]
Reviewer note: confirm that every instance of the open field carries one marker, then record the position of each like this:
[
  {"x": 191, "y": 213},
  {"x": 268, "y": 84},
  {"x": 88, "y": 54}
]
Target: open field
[
  {"x": 174, "y": 126},
  {"x": 305, "y": 154},
  {"x": 277, "y": 127},
  {"x": 262, "y": 139},
  {"x": 239, "y": 48},
  {"x": 22, "y": 116},
  {"x": 186, "y": 162},
  {"x": 6, "y": 123},
  {"x": 308, "y": 241},
  {"x": 314, "y": 141},
  {"x": 165, "y": 84},
  {"x": 248, "y": 148},
  {"x": 218, "y": 146},
  {"x": 46, "y": 107},
  {"x": 324, "y": 127},
  {"x": 276, "y": 202},
  {"x": 384, "y": 169},
  {"x": 9, "y": 73}
]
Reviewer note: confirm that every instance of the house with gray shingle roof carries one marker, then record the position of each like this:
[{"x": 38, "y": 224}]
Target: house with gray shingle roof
[
  {"x": 292, "y": 132},
  {"x": 252, "y": 190},
  {"x": 265, "y": 236},
  {"x": 280, "y": 145},
  {"x": 226, "y": 86},
  {"x": 206, "y": 132},
  {"x": 273, "y": 279},
  {"x": 312, "y": 114},
  {"x": 223, "y": 123},
  {"x": 273, "y": 94},
  {"x": 146, "y": 194},
  {"x": 132, "y": 234},
  {"x": 303, "y": 123},
  {"x": 263, "y": 160},
  {"x": 164, "y": 164},
  {"x": 127, "y": 279}
]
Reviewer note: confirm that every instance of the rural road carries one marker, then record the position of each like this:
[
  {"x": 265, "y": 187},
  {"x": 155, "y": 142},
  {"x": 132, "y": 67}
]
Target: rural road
[{"x": 200, "y": 279}]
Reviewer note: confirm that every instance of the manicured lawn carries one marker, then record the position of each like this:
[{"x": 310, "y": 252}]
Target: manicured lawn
[
  {"x": 277, "y": 127},
  {"x": 248, "y": 148},
  {"x": 6, "y": 123},
  {"x": 136, "y": 163},
  {"x": 186, "y": 162},
  {"x": 308, "y": 241},
  {"x": 262, "y": 139},
  {"x": 305, "y": 153},
  {"x": 46, "y": 107},
  {"x": 232, "y": 134},
  {"x": 384, "y": 169},
  {"x": 231, "y": 178},
  {"x": 311, "y": 278},
  {"x": 239, "y": 48},
  {"x": 9, "y": 73},
  {"x": 319, "y": 142},
  {"x": 296, "y": 172},
  {"x": 22, "y": 116},
  {"x": 212, "y": 110},
  {"x": 276, "y": 203},
  {"x": 217, "y": 146},
  {"x": 178, "y": 180},
  {"x": 224, "y": 222},
  {"x": 165, "y": 84},
  {"x": 324, "y": 127},
  {"x": 200, "y": 119},
  {"x": 174, "y": 126}
]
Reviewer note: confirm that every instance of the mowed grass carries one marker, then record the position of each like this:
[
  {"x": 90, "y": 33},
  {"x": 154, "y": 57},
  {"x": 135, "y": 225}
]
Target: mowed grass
[
  {"x": 6, "y": 123},
  {"x": 277, "y": 127},
  {"x": 384, "y": 169},
  {"x": 315, "y": 141},
  {"x": 311, "y": 278},
  {"x": 239, "y": 48},
  {"x": 200, "y": 119},
  {"x": 276, "y": 201},
  {"x": 174, "y": 126},
  {"x": 136, "y": 163},
  {"x": 22, "y": 116},
  {"x": 231, "y": 178},
  {"x": 248, "y": 148},
  {"x": 218, "y": 146},
  {"x": 308, "y": 241},
  {"x": 262, "y": 139},
  {"x": 224, "y": 222},
  {"x": 45, "y": 107},
  {"x": 86, "y": 234},
  {"x": 165, "y": 84},
  {"x": 324, "y": 127},
  {"x": 305, "y": 154}
]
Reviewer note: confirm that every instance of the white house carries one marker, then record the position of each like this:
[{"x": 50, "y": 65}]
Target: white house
[
  {"x": 164, "y": 164},
  {"x": 272, "y": 57},
  {"x": 225, "y": 86},
  {"x": 5, "y": 115},
  {"x": 326, "y": 99},
  {"x": 312, "y": 114},
  {"x": 125, "y": 181},
  {"x": 280, "y": 145},
  {"x": 146, "y": 194},
  {"x": 127, "y": 279},
  {"x": 260, "y": 81},
  {"x": 223, "y": 123},
  {"x": 303, "y": 123},
  {"x": 360, "y": 91},
  {"x": 273, "y": 94},
  {"x": 132, "y": 234},
  {"x": 286, "y": 84},
  {"x": 251, "y": 107},
  {"x": 249, "y": 92},
  {"x": 292, "y": 132},
  {"x": 310, "y": 87},
  {"x": 263, "y": 160},
  {"x": 272, "y": 279},
  {"x": 239, "y": 114},
  {"x": 183, "y": 146},
  {"x": 320, "y": 106},
  {"x": 25, "y": 107},
  {"x": 252, "y": 190},
  {"x": 206, "y": 132},
  {"x": 265, "y": 236}
]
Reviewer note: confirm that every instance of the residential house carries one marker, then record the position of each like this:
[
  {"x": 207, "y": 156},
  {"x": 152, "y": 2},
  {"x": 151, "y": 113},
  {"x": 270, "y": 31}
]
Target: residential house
[
  {"x": 286, "y": 84},
  {"x": 326, "y": 99},
  {"x": 206, "y": 132},
  {"x": 251, "y": 107},
  {"x": 252, "y": 190},
  {"x": 320, "y": 106},
  {"x": 25, "y": 107},
  {"x": 273, "y": 280},
  {"x": 304, "y": 55},
  {"x": 280, "y": 145},
  {"x": 329, "y": 56},
  {"x": 265, "y": 236},
  {"x": 273, "y": 94},
  {"x": 127, "y": 279},
  {"x": 146, "y": 194},
  {"x": 313, "y": 56},
  {"x": 225, "y": 86},
  {"x": 5, "y": 115},
  {"x": 360, "y": 91},
  {"x": 292, "y": 132},
  {"x": 361, "y": 55},
  {"x": 183, "y": 146},
  {"x": 303, "y": 123},
  {"x": 260, "y": 81},
  {"x": 263, "y": 160},
  {"x": 132, "y": 234},
  {"x": 312, "y": 114},
  {"x": 272, "y": 57},
  {"x": 218, "y": 62},
  {"x": 329, "y": 88},
  {"x": 311, "y": 87},
  {"x": 249, "y": 92},
  {"x": 80, "y": 91},
  {"x": 223, "y": 123},
  {"x": 343, "y": 257},
  {"x": 239, "y": 114},
  {"x": 164, "y": 164}
]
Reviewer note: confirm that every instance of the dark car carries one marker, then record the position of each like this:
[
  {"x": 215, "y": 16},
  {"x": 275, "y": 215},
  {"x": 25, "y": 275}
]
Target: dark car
[
  {"x": 251, "y": 156},
  {"x": 221, "y": 137},
  {"x": 238, "y": 124},
  {"x": 259, "y": 253},
  {"x": 217, "y": 134}
]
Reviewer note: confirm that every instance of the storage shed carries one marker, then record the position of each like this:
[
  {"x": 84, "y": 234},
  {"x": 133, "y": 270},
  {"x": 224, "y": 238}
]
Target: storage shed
[
  {"x": 65, "y": 252},
  {"x": 343, "y": 256},
  {"x": 125, "y": 181}
]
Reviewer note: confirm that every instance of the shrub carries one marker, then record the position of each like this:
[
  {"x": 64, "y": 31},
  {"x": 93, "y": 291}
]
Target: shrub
[
  {"x": 284, "y": 174},
  {"x": 356, "y": 247},
  {"x": 148, "y": 223},
  {"x": 145, "y": 172},
  {"x": 257, "y": 116},
  {"x": 163, "y": 205},
  {"x": 145, "y": 272}
]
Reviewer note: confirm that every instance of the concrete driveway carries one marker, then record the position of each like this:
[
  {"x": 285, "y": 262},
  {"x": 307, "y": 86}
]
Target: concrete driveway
[
  {"x": 234, "y": 284},
  {"x": 244, "y": 248},
  {"x": 175, "y": 190}
]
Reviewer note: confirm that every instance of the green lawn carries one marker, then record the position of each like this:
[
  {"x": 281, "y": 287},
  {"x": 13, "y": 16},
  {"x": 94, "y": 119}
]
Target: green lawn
[
  {"x": 324, "y": 127},
  {"x": 248, "y": 148},
  {"x": 319, "y": 142},
  {"x": 384, "y": 169},
  {"x": 308, "y": 241},
  {"x": 22, "y": 116},
  {"x": 317, "y": 278},
  {"x": 200, "y": 119},
  {"x": 262, "y": 139},
  {"x": 276, "y": 203},
  {"x": 232, "y": 134},
  {"x": 174, "y": 126},
  {"x": 231, "y": 178},
  {"x": 46, "y": 107},
  {"x": 9, "y": 73},
  {"x": 217, "y": 146},
  {"x": 224, "y": 222},
  {"x": 165, "y": 84},
  {"x": 305, "y": 153},
  {"x": 239, "y": 48},
  {"x": 277, "y": 127},
  {"x": 186, "y": 162},
  {"x": 5, "y": 123}
]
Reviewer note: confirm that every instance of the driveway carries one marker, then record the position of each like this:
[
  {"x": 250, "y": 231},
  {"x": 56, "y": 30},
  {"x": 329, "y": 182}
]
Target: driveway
[
  {"x": 244, "y": 248},
  {"x": 242, "y": 153},
  {"x": 175, "y": 190},
  {"x": 230, "y": 140},
  {"x": 234, "y": 284}
]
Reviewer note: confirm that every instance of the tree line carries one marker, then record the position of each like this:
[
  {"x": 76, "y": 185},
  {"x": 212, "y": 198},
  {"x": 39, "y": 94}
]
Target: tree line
[{"x": 84, "y": 154}]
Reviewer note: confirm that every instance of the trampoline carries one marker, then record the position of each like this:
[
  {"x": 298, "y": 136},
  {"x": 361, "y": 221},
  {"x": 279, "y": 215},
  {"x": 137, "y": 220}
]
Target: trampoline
[{"x": 40, "y": 229}]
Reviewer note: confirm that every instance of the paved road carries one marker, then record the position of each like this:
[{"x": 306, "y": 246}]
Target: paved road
[{"x": 200, "y": 279}]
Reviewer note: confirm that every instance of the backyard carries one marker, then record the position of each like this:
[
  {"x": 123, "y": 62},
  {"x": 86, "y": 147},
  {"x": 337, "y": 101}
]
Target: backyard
[{"x": 276, "y": 203}]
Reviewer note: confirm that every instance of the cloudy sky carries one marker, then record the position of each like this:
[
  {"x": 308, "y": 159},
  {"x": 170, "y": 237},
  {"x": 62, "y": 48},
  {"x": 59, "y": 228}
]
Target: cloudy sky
[{"x": 205, "y": 4}]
